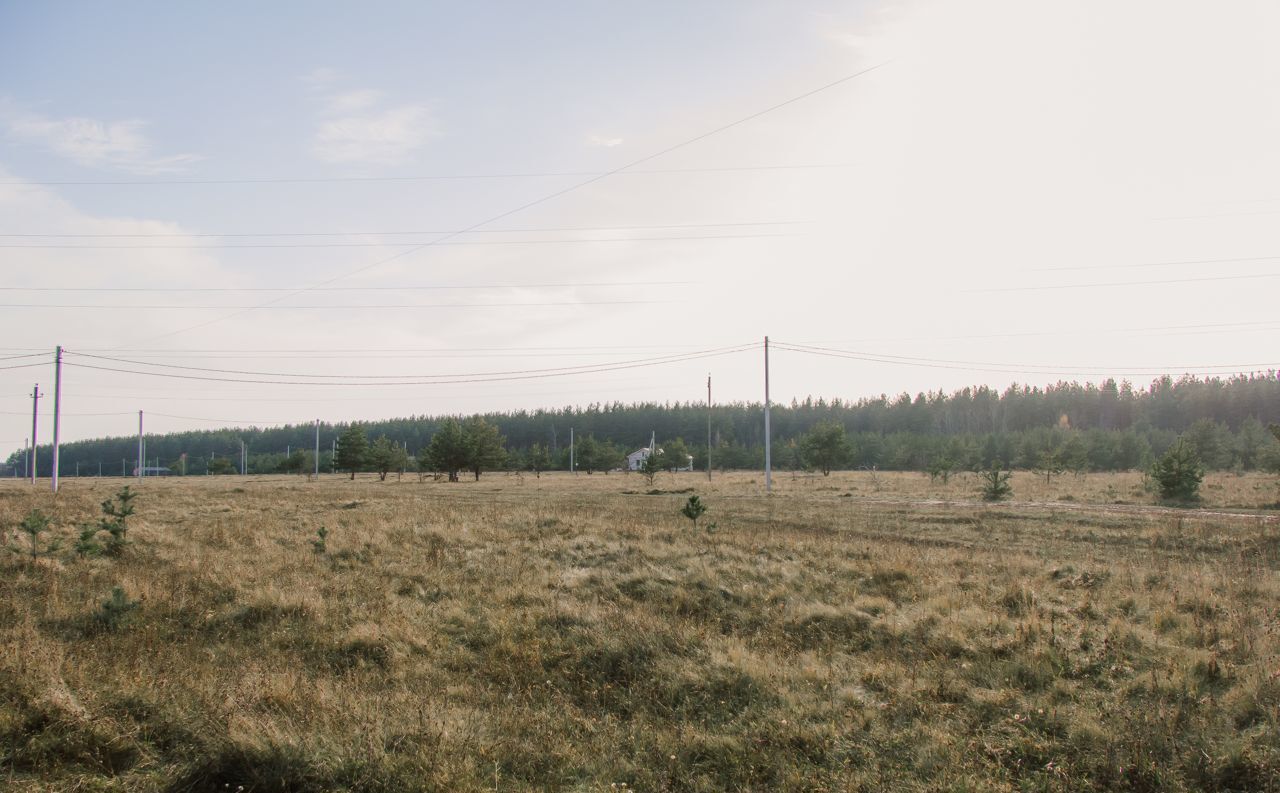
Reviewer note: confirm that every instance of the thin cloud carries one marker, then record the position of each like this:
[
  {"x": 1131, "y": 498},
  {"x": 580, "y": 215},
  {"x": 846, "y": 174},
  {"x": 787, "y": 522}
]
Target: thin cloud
[
  {"x": 387, "y": 137},
  {"x": 602, "y": 141},
  {"x": 356, "y": 128},
  {"x": 109, "y": 144},
  {"x": 353, "y": 101}
]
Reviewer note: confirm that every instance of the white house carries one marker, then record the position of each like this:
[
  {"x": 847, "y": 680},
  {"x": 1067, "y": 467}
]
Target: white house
[{"x": 635, "y": 460}]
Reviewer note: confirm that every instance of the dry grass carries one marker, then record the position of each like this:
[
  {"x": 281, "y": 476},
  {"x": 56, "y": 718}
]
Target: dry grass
[{"x": 571, "y": 633}]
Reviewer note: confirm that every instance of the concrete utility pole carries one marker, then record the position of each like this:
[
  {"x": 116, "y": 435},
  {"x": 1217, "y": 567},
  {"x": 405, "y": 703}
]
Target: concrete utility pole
[
  {"x": 244, "y": 470},
  {"x": 708, "y": 427},
  {"x": 317, "y": 448},
  {"x": 57, "y": 400},
  {"x": 768, "y": 448},
  {"x": 141, "y": 464},
  {"x": 570, "y": 450},
  {"x": 35, "y": 445}
]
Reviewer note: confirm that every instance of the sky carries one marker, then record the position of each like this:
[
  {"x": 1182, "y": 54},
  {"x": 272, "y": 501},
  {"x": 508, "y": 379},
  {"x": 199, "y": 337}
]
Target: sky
[{"x": 413, "y": 208}]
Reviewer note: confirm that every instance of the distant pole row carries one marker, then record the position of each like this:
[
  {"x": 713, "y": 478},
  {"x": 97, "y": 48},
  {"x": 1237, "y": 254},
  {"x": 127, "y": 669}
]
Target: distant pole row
[{"x": 244, "y": 458}]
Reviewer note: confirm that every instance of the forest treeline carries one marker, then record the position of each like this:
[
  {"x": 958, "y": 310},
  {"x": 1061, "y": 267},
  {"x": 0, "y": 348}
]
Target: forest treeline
[{"x": 1108, "y": 426}]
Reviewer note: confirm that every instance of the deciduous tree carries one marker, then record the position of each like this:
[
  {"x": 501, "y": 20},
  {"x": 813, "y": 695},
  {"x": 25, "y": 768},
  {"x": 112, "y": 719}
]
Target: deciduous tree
[{"x": 825, "y": 446}]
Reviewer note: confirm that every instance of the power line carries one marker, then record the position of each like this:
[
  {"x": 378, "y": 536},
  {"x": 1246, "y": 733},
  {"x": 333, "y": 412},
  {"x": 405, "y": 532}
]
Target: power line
[
  {"x": 1216, "y": 327},
  {"x": 564, "y": 369},
  {"x": 367, "y": 384},
  {"x": 64, "y": 413},
  {"x": 396, "y": 288},
  {"x": 434, "y": 243},
  {"x": 984, "y": 366},
  {"x": 24, "y": 366},
  {"x": 379, "y": 306},
  {"x": 216, "y": 421},
  {"x": 432, "y": 177},
  {"x": 1127, "y": 283},
  {"x": 556, "y": 194},
  {"x": 628, "y": 385},
  {"x": 1156, "y": 264},
  {"x": 1050, "y": 367},
  {"x": 551, "y": 229}
]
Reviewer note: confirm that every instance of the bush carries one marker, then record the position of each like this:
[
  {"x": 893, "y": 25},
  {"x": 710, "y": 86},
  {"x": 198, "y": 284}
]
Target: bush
[
  {"x": 1178, "y": 474},
  {"x": 115, "y": 611}
]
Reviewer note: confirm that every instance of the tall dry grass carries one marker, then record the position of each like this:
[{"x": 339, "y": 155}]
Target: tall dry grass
[{"x": 573, "y": 633}]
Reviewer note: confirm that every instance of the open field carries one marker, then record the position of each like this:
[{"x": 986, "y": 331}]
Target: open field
[{"x": 878, "y": 632}]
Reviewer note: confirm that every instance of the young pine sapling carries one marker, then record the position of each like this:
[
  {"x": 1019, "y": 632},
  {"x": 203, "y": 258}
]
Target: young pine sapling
[{"x": 693, "y": 510}]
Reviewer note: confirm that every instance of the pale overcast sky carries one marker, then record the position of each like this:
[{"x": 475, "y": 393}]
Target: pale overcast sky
[{"x": 1019, "y": 192}]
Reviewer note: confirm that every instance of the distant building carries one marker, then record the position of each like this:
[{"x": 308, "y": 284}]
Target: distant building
[{"x": 635, "y": 460}]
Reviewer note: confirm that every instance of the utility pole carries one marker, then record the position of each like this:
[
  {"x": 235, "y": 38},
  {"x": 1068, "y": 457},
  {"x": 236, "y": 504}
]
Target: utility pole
[
  {"x": 768, "y": 448},
  {"x": 35, "y": 445},
  {"x": 333, "y": 455},
  {"x": 99, "y": 469},
  {"x": 570, "y": 451},
  {"x": 243, "y": 469},
  {"x": 141, "y": 464},
  {"x": 57, "y": 400},
  {"x": 317, "y": 448},
  {"x": 708, "y": 427}
]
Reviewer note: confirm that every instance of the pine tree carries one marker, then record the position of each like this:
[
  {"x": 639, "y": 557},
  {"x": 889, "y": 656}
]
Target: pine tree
[
  {"x": 538, "y": 460},
  {"x": 447, "y": 452},
  {"x": 353, "y": 448},
  {"x": 386, "y": 456},
  {"x": 484, "y": 446},
  {"x": 1178, "y": 474}
]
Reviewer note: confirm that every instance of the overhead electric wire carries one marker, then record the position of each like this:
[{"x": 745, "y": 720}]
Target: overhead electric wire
[
  {"x": 434, "y": 243},
  {"x": 322, "y": 306},
  {"x": 367, "y": 384},
  {"x": 431, "y": 177},
  {"x": 548, "y": 230},
  {"x": 1213, "y": 327},
  {"x": 220, "y": 421},
  {"x": 64, "y": 413},
  {"x": 565, "y": 369},
  {"x": 397, "y": 288},
  {"x": 871, "y": 359},
  {"x": 1160, "y": 282},
  {"x": 25, "y": 365},
  {"x": 26, "y": 355},
  {"x": 555, "y": 194},
  {"x": 1176, "y": 263},
  {"x": 986, "y": 366},
  {"x": 184, "y": 351},
  {"x": 1154, "y": 369}
]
